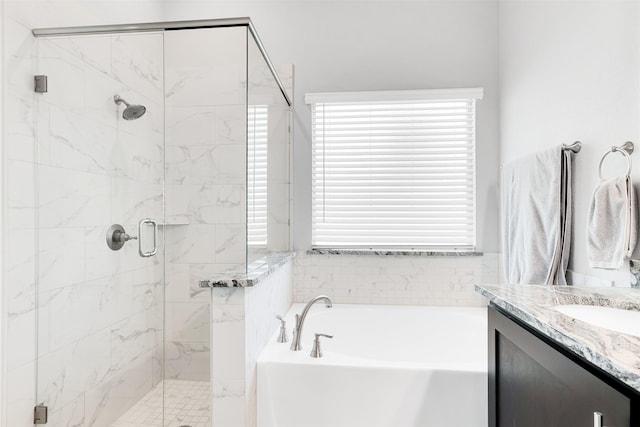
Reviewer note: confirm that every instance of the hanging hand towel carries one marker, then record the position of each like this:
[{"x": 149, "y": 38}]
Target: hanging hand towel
[{"x": 612, "y": 224}]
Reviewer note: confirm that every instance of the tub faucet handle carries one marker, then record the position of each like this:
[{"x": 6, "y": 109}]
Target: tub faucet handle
[
  {"x": 282, "y": 336},
  {"x": 295, "y": 334},
  {"x": 316, "y": 351}
]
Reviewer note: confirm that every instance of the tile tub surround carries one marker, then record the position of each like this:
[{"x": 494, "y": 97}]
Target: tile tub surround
[
  {"x": 242, "y": 321},
  {"x": 394, "y": 279},
  {"x": 611, "y": 351},
  {"x": 258, "y": 271}
]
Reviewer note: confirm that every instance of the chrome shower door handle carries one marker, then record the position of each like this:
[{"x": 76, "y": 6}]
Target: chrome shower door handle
[{"x": 154, "y": 224}]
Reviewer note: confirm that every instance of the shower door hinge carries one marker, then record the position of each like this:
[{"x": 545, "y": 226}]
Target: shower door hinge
[
  {"x": 40, "y": 414},
  {"x": 40, "y": 83}
]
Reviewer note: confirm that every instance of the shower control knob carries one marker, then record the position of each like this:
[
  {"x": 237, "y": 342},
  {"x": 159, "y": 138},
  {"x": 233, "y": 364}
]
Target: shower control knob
[{"x": 117, "y": 237}]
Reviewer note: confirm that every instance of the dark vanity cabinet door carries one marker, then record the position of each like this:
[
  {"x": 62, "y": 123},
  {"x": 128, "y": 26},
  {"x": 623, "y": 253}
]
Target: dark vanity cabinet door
[{"x": 534, "y": 383}]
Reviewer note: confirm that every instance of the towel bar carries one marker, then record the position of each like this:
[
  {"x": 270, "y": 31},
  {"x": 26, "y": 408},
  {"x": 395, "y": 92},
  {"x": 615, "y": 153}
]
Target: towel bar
[{"x": 575, "y": 147}]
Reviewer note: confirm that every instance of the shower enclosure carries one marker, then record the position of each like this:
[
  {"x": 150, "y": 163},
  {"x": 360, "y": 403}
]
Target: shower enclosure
[{"x": 162, "y": 158}]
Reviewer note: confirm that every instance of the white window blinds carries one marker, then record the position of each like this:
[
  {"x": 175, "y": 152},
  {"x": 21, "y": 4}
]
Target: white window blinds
[
  {"x": 394, "y": 169},
  {"x": 257, "y": 139}
]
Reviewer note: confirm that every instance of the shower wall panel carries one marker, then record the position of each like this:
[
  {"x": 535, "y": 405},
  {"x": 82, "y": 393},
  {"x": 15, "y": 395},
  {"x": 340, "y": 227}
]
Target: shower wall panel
[
  {"x": 206, "y": 186},
  {"x": 100, "y": 312}
]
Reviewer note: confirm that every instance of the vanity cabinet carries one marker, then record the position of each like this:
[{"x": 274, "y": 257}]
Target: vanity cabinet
[{"x": 535, "y": 382}]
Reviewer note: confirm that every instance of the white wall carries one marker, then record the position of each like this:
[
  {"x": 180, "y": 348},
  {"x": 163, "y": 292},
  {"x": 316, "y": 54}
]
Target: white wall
[
  {"x": 570, "y": 71},
  {"x": 381, "y": 45}
]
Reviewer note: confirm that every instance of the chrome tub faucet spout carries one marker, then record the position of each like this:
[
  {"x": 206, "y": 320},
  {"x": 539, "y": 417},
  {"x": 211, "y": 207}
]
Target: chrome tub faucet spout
[{"x": 297, "y": 329}]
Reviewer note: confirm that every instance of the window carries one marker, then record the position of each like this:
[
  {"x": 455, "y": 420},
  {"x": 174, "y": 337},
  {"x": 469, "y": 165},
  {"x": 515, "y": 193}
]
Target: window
[
  {"x": 394, "y": 169},
  {"x": 257, "y": 138}
]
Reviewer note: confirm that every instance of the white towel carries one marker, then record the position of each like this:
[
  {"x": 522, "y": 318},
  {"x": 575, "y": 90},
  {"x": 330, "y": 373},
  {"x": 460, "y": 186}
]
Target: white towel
[
  {"x": 536, "y": 217},
  {"x": 612, "y": 224}
]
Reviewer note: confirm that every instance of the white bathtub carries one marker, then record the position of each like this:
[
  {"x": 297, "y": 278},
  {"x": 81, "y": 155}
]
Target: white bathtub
[{"x": 387, "y": 366}]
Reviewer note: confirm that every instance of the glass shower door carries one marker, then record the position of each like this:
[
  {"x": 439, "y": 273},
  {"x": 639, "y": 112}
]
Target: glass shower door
[{"x": 99, "y": 253}]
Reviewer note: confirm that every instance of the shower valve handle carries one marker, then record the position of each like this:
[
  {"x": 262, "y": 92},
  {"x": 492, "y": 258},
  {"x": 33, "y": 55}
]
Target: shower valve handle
[{"x": 120, "y": 236}]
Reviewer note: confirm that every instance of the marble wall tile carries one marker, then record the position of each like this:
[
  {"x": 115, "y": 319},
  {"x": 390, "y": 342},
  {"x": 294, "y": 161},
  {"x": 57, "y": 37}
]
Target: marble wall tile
[
  {"x": 188, "y": 321},
  {"x": 93, "y": 50},
  {"x": 108, "y": 399},
  {"x": 231, "y": 246},
  {"x": 227, "y": 402},
  {"x": 72, "y": 198},
  {"x": 78, "y": 144},
  {"x": 132, "y": 339},
  {"x": 80, "y": 310},
  {"x": 67, "y": 73},
  {"x": 187, "y": 360},
  {"x": 21, "y": 115},
  {"x": 21, "y": 55},
  {"x": 20, "y": 394},
  {"x": 21, "y": 327},
  {"x": 21, "y": 200},
  {"x": 194, "y": 243},
  {"x": 191, "y": 125},
  {"x": 65, "y": 374},
  {"x": 364, "y": 279},
  {"x": 71, "y": 414},
  {"x": 231, "y": 124},
  {"x": 206, "y": 204},
  {"x": 20, "y": 268},
  {"x": 211, "y": 72},
  {"x": 137, "y": 62},
  {"x": 61, "y": 264},
  {"x": 132, "y": 200},
  {"x": 215, "y": 164}
]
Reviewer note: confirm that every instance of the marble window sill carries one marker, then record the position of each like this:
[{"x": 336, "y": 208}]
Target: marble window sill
[
  {"x": 258, "y": 271},
  {"x": 394, "y": 252}
]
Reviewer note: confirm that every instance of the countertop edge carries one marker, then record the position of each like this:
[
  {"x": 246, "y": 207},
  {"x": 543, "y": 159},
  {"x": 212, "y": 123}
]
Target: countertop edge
[
  {"x": 258, "y": 271},
  {"x": 578, "y": 347}
]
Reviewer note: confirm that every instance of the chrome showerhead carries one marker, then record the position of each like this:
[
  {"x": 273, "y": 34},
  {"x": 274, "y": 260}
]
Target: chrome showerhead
[{"x": 132, "y": 112}]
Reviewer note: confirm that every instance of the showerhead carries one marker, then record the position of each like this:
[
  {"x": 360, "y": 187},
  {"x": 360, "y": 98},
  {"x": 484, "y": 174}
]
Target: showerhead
[{"x": 132, "y": 112}]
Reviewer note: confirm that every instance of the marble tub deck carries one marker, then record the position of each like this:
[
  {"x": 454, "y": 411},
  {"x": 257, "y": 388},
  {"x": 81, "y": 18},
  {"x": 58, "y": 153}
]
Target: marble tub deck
[{"x": 614, "y": 352}]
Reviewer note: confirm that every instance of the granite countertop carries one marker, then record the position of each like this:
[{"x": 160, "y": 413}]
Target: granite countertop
[
  {"x": 614, "y": 352},
  {"x": 257, "y": 271}
]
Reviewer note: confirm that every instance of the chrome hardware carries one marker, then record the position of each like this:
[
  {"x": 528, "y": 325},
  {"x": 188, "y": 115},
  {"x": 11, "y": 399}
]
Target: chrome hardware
[
  {"x": 294, "y": 333},
  {"x": 316, "y": 351},
  {"x": 297, "y": 331},
  {"x": 597, "y": 419},
  {"x": 154, "y": 224},
  {"x": 282, "y": 337},
  {"x": 117, "y": 237},
  {"x": 40, "y": 84},
  {"x": 40, "y": 414},
  {"x": 574, "y": 148},
  {"x": 625, "y": 149}
]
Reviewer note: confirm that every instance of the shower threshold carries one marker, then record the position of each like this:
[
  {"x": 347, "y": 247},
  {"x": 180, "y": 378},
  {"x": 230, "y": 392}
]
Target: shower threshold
[{"x": 186, "y": 403}]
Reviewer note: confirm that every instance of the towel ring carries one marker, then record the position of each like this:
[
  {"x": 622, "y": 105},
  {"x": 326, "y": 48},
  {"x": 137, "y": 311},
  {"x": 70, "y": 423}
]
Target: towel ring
[{"x": 624, "y": 150}]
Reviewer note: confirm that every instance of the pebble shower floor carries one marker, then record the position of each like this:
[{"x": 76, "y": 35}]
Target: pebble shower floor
[{"x": 186, "y": 403}]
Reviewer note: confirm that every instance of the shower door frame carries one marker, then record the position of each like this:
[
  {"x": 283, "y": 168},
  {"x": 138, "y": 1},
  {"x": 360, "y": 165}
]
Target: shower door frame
[{"x": 167, "y": 26}]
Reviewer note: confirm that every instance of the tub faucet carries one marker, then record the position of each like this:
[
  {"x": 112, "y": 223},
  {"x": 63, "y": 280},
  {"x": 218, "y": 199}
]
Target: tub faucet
[{"x": 297, "y": 330}]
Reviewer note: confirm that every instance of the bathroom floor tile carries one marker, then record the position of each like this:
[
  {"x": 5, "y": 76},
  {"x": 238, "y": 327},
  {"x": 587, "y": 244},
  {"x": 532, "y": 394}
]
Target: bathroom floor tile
[{"x": 185, "y": 403}]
